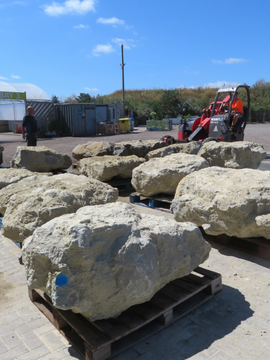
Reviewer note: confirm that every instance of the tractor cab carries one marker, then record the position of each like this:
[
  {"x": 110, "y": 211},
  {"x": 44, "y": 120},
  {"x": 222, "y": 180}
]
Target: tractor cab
[{"x": 220, "y": 126}]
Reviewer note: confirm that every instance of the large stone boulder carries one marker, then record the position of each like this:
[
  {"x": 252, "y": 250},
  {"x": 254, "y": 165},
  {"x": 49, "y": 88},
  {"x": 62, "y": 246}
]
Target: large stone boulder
[
  {"x": 162, "y": 175},
  {"x": 35, "y": 200},
  {"x": 1, "y": 154},
  {"x": 91, "y": 148},
  {"x": 39, "y": 158},
  {"x": 235, "y": 155},
  {"x": 106, "y": 167},
  {"x": 188, "y": 148},
  {"x": 226, "y": 201},
  {"x": 10, "y": 176},
  {"x": 104, "y": 259},
  {"x": 137, "y": 147}
]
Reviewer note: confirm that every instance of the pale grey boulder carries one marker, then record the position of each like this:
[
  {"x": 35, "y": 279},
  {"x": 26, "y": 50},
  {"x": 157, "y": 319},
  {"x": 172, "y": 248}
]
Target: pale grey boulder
[
  {"x": 40, "y": 158},
  {"x": 106, "y": 167},
  {"x": 9, "y": 176},
  {"x": 235, "y": 155},
  {"x": 106, "y": 258},
  {"x": 162, "y": 175},
  {"x": 188, "y": 148},
  {"x": 92, "y": 148},
  {"x": 137, "y": 147},
  {"x": 226, "y": 201},
  {"x": 34, "y": 201}
]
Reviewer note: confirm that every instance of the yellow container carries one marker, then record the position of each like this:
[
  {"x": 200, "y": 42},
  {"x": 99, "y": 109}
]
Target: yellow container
[{"x": 127, "y": 123}]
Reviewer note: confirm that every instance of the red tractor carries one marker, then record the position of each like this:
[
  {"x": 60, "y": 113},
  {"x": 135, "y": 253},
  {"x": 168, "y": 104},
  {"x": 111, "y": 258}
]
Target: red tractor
[{"x": 215, "y": 122}]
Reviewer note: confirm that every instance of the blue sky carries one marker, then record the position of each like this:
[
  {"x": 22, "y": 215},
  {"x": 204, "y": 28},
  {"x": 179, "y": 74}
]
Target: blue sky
[{"x": 74, "y": 46}]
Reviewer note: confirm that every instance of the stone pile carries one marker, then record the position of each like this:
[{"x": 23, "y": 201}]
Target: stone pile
[
  {"x": 35, "y": 200},
  {"x": 162, "y": 175},
  {"x": 235, "y": 155},
  {"x": 107, "y": 167},
  {"x": 39, "y": 158},
  {"x": 226, "y": 201}
]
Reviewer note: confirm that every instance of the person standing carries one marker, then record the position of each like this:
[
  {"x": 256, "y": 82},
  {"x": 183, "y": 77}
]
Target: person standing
[{"x": 30, "y": 124}]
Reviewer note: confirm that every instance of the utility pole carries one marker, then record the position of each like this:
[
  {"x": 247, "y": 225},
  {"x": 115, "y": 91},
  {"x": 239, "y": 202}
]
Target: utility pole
[{"x": 123, "y": 82}]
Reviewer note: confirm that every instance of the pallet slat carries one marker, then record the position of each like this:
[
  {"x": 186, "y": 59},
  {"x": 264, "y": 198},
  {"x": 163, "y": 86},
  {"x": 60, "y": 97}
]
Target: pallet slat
[{"x": 100, "y": 339}]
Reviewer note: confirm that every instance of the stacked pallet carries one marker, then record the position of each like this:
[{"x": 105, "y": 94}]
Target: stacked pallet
[{"x": 102, "y": 339}]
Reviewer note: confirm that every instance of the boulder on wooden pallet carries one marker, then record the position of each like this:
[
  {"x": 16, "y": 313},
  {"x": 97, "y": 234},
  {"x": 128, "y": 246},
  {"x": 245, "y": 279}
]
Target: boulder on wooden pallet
[
  {"x": 106, "y": 167},
  {"x": 235, "y": 155},
  {"x": 137, "y": 147},
  {"x": 188, "y": 148},
  {"x": 35, "y": 200},
  {"x": 93, "y": 148},
  {"x": 39, "y": 158},
  {"x": 226, "y": 201},
  {"x": 10, "y": 176},
  {"x": 103, "y": 259},
  {"x": 162, "y": 175}
]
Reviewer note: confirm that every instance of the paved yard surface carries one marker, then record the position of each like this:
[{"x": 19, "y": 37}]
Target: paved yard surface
[{"x": 235, "y": 324}]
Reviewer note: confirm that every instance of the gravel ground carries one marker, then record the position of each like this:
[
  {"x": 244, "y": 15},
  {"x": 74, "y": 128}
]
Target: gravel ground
[{"x": 258, "y": 133}]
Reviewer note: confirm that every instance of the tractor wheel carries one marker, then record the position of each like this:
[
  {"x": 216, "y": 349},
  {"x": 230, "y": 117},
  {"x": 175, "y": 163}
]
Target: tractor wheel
[{"x": 209, "y": 139}]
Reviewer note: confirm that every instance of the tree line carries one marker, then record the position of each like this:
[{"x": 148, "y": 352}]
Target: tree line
[{"x": 159, "y": 104}]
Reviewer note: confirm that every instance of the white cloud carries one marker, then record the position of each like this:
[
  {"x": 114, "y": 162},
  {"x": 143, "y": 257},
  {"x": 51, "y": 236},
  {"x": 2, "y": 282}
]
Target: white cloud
[
  {"x": 111, "y": 21},
  {"x": 3, "y": 78},
  {"x": 128, "y": 43},
  {"x": 229, "y": 61},
  {"x": 12, "y": 3},
  {"x": 15, "y": 77},
  {"x": 70, "y": 7},
  {"x": 103, "y": 49},
  {"x": 219, "y": 84},
  {"x": 191, "y": 73},
  {"x": 80, "y": 26},
  {"x": 92, "y": 90}
]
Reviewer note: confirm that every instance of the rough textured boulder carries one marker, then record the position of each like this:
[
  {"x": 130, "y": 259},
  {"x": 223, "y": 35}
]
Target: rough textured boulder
[
  {"x": 226, "y": 201},
  {"x": 35, "y": 200},
  {"x": 40, "y": 158},
  {"x": 162, "y": 175},
  {"x": 235, "y": 155},
  {"x": 104, "y": 259},
  {"x": 188, "y": 148},
  {"x": 106, "y": 167},
  {"x": 1, "y": 154},
  {"x": 9, "y": 176},
  {"x": 137, "y": 147},
  {"x": 93, "y": 149}
]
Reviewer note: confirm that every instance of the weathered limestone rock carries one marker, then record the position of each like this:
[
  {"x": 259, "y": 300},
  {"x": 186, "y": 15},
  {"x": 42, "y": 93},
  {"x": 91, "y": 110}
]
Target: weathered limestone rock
[
  {"x": 188, "y": 148},
  {"x": 1, "y": 154},
  {"x": 226, "y": 201},
  {"x": 162, "y": 175},
  {"x": 106, "y": 258},
  {"x": 137, "y": 147},
  {"x": 9, "y": 176},
  {"x": 235, "y": 155},
  {"x": 93, "y": 149},
  {"x": 39, "y": 158},
  {"x": 106, "y": 167},
  {"x": 35, "y": 200}
]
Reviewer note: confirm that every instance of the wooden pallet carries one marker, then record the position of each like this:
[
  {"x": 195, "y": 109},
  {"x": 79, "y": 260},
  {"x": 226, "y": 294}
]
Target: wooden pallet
[
  {"x": 254, "y": 246},
  {"x": 160, "y": 202},
  {"x": 121, "y": 184},
  {"x": 103, "y": 339}
]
